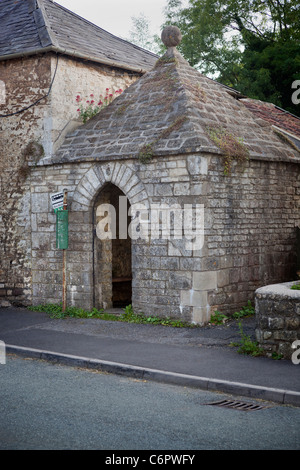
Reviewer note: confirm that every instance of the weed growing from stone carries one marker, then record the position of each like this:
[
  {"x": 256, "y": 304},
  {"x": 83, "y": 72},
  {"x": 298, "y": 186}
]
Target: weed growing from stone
[
  {"x": 276, "y": 356},
  {"x": 246, "y": 311},
  {"x": 55, "y": 311},
  {"x": 232, "y": 147},
  {"x": 218, "y": 318},
  {"x": 296, "y": 287},
  {"x": 129, "y": 316},
  {"x": 246, "y": 345},
  {"x": 147, "y": 151}
]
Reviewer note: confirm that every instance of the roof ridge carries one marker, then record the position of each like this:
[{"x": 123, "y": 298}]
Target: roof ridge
[
  {"x": 42, "y": 24},
  {"x": 34, "y": 26},
  {"x": 175, "y": 68},
  {"x": 90, "y": 23}
]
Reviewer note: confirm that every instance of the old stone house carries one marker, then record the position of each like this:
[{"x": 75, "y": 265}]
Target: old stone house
[
  {"x": 48, "y": 55},
  {"x": 173, "y": 141}
]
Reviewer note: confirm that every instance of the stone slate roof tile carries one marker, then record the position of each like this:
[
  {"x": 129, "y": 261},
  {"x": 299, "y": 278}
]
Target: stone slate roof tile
[
  {"x": 275, "y": 116},
  {"x": 28, "y": 26},
  {"x": 18, "y": 32},
  {"x": 172, "y": 109}
]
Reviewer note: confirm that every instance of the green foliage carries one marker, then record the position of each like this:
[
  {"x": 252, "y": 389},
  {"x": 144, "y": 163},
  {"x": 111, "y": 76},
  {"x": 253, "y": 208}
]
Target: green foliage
[
  {"x": 252, "y": 46},
  {"x": 245, "y": 311},
  {"x": 129, "y": 316},
  {"x": 90, "y": 107},
  {"x": 296, "y": 287},
  {"x": 268, "y": 74},
  {"x": 146, "y": 153},
  {"x": 276, "y": 356},
  {"x": 56, "y": 311},
  {"x": 246, "y": 345},
  {"x": 232, "y": 147},
  {"x": 218, "y": 318},
  {"x": 201, "y": 26}
]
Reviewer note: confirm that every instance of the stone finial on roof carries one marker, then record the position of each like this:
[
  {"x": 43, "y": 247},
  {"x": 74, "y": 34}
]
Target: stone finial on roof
[{"x": 171, "y": 36}]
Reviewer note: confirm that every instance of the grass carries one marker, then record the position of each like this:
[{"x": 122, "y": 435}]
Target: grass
[
  {"x": 56, "y": 311},
  {"x": 245, "y": 346},
  {"x": 129, "y": 316}
]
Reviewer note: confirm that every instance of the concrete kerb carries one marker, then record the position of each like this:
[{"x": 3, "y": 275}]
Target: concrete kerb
[{"x": 286, "y": 397}]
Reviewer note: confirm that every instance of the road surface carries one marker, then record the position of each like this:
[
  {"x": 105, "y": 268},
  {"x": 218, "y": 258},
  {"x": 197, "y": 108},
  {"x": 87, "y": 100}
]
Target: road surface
[{"x": 45, "y": 406}]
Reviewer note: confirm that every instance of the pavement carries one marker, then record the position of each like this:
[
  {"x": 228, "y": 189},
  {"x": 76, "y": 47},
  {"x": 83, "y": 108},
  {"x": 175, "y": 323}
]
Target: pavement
[{"x": 193, "y": 357}]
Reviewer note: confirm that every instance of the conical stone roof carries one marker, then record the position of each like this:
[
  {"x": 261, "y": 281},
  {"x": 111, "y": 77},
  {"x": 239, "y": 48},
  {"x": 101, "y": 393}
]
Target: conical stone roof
[{"x": 173, "y": 109}]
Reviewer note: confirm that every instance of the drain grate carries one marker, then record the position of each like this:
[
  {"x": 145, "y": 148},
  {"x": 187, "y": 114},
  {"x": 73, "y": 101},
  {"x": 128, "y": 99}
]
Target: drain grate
[{"x": 238, "y": 405}]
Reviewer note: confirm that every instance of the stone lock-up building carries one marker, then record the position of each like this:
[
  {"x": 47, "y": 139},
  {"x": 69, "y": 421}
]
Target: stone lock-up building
[
  {"x": 181, "y": 200},
  {"x": 48, "y": 56},
  {"x": 174, "y": 139}
]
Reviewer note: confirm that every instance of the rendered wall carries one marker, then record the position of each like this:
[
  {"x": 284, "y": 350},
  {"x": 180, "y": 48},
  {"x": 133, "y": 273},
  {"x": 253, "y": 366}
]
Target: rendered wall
[
  {"x": 77, "y": 77},
  {"x": 26, "y": 80}
]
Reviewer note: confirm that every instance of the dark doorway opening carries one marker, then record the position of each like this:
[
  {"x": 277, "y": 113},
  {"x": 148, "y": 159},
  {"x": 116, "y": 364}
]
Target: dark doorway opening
[{"x": 112, "y": 255}]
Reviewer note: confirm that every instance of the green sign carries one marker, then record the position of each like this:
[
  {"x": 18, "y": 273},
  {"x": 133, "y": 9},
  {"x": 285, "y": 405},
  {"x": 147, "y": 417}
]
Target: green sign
[{"x": 62, "y": 226}]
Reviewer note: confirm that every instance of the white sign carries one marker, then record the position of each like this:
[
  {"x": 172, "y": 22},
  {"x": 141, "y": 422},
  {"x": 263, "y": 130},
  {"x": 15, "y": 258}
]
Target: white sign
[
  {"x": 2, "y": 93},
  {"x": 296, "y": 354},
  {"x": 57, "y": 200},
  {"x": 2, "y": 353}
]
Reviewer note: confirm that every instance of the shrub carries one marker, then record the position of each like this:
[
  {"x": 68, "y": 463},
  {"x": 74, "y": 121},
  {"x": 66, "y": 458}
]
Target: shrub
[{"x": 90, "y": 107}]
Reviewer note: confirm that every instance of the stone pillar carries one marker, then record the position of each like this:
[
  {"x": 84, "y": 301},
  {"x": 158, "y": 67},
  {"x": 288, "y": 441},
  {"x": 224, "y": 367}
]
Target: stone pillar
[{"x": 277, "y": 309}]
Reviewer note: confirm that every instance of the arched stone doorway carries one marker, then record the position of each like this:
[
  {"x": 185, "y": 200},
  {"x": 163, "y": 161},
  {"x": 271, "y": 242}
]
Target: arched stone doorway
[{"x": 112, "y": 249}]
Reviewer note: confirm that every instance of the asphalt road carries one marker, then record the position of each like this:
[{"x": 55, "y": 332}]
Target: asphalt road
[{"x": 45, "y": 406}]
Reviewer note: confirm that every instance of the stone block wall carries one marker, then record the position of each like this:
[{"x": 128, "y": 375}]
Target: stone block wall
[
  {"x": 278, "y": 318},
  {"x": 250, "y": 220},
  {"x": 46, "y": 259}
]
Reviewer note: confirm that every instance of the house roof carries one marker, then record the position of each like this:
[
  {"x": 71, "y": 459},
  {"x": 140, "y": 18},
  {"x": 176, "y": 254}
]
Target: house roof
[
  {"x": 173, "y": 109},
  {"x": 33, "y": 26},
  {"x": 288, "y": 123}
]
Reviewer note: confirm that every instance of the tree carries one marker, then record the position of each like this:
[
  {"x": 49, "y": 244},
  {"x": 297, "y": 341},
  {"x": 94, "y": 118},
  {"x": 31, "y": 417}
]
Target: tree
[
  {"x": 253, "y": 46},
  {"x": 140, "y": 34}
]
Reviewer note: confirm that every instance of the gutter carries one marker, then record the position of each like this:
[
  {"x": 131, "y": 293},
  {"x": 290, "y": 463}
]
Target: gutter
[{"x": 78, "y": 55}]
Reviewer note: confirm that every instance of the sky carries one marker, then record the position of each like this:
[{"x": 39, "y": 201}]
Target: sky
[{"x": 115, "y": 15}]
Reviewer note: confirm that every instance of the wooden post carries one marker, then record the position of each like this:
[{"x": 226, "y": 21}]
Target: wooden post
[{"x": 64, "y": 299}]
